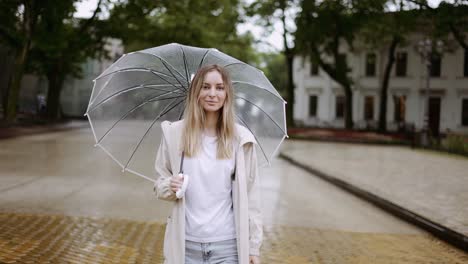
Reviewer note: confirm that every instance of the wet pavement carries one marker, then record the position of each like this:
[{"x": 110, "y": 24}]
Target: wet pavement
[
  {"x": 431, "y": 184},
  {"x": 63, "y": 201},
  {"x": 31, "y": 129}
]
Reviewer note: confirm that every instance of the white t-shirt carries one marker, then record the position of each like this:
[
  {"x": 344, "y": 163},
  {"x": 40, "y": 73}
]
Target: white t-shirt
[{"x": 208, "y": 213}]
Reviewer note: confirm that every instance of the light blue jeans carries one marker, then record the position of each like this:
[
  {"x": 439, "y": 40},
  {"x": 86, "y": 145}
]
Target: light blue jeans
[{"x": 224, "y": 252}]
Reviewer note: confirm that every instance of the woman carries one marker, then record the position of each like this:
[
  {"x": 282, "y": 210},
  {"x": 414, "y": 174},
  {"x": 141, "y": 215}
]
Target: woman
[{"x": 218, "y": 219}]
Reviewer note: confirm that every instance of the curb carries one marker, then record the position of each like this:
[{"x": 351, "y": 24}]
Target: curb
[
  {"x": 446, "y": 234},
  {"x": 353, "y": 141}
]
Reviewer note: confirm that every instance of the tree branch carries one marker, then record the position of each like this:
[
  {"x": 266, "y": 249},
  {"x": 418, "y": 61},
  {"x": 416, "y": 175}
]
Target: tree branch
[
  {"x": 90, "y": 20},
  {"x": 421, "y": 4}
]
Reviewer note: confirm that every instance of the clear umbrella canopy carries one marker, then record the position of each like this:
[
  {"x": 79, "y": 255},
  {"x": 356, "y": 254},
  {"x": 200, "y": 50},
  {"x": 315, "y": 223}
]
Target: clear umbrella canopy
[{"x": 135, "y": 94}]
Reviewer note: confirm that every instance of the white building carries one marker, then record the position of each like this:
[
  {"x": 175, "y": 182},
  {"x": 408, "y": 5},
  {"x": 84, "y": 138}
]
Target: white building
[{"x": 319, "y": 101}]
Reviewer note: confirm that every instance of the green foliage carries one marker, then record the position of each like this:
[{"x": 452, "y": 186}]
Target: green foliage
[
  {"x": 64, "y": 43},
  {"x": 449, "y": 19},
  {"x": 144, "y": 24},
  {"x": 17, "y": 32},
  {"x": 275, "y": 70},
  {"x": 383, "y": 26},
  {"x": 267, "y": 13},
  {"x": 9, "y": 25},
  {"x": 18, "y": 20},
  {"x": 456, "y": 144}
]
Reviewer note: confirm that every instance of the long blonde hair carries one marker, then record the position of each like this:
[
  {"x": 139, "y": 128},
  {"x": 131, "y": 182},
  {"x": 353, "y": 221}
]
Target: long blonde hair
[{"x": 194, "y": 116}]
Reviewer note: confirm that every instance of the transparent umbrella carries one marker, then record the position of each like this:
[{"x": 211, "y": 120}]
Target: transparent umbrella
[{"x": 140, "y": 90}]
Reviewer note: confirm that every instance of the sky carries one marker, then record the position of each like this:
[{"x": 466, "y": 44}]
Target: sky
[{"x": 272, "y": 43}]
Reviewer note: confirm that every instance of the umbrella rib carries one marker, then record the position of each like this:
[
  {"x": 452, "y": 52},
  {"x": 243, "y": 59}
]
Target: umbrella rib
[
  {"x": 260, "y": 145},
  {"x": 133, "y": 69},
  {"x": 166, "y": 98},
  {"x": 181, "y": 111},
  {"x": 225, "y": 66},
  {"x": 124, "y": 91},
  {"x": 185, "y": 64},
  {"x": 92, "y": 92},
  {"x": 129, "y": 112},
  {"x": 259, "y": 87},
  {"x": 165, "y": 62},
  {"x": 137, "y": 69},
  {"x": 152, "y": 124},
  {"x": 262, "y": 111},
  {"x": 203, "y": 59}
]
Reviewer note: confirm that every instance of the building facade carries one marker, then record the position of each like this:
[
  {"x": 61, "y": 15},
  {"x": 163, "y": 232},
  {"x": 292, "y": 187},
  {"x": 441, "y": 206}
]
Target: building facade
[{"x": 319, "y": 100}]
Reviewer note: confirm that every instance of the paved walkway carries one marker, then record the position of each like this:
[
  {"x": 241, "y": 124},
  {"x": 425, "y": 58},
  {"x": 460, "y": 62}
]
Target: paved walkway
[
  {"x": 32, "y": 238},
  {"x": 63, "y": 201},
  {"x": 433, "y": 185},
  {"x": 15, "y": 131}
]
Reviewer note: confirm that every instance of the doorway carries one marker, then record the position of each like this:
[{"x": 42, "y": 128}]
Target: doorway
[{"x": 434, "y": 116}]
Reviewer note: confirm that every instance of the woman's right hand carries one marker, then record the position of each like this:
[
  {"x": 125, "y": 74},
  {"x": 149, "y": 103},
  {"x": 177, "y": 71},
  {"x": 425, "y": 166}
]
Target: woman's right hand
[{"x": 176, "y": 183}]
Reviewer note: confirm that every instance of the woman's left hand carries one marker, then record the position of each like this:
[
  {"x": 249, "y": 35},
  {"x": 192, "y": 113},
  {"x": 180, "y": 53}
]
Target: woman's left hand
[{"x": 254, "y": 260}]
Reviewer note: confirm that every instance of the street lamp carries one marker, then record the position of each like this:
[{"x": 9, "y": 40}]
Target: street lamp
[{"x": 426, "y": 49}]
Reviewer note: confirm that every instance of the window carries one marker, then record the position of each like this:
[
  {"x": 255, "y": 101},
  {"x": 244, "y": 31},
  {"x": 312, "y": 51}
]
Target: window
[
  {"x": 314, "y": 68},
  {"x": 340, "y": 106},
  {"x": 401, "y": 64},
  {"x": 370, "y": 64},
  {"x": 435, "y": 65},
  {"x": 313, "y": 105},
  {"x": 465, "y": 112},
  {"x": 369, "y": 108},
  {"x": 465, "y": 68},
  {"x": 399, "y": 103}
]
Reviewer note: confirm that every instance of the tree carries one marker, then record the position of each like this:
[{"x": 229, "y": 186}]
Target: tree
[
  {"x": 321, "y": 29},
  {"x": 17, "y": 30},
  {"x": 448, "y": 18},
  {"x": 272, "y": 11},
  {"x": 388, "y": 30},
  {"x": 325, "y": 29},
  {"x": 143, "y": 24},
  {"x": 63, "y": 44}
]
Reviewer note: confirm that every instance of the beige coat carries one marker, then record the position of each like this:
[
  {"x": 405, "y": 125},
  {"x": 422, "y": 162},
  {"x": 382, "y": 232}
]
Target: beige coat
[{"x": 245, "y": 195}]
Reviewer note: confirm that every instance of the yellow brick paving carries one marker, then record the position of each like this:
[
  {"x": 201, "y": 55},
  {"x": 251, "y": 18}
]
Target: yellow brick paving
[{"x": 32, "y": 238}]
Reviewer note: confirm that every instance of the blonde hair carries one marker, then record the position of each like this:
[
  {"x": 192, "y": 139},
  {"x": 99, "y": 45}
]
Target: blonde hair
[{"x": 194, "y": 116}]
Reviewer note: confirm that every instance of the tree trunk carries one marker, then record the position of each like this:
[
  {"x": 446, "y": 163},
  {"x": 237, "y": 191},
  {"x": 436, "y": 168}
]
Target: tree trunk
[
  {"x": 15, "y": 83},
  {"x": 290, "y": 92},
  {"x": 30, "y": 17},
  {"x": 289, "y": 55},
  {"x": 56, "y": 80},
  {"x": 348, "y": 107},
  {"x": 384, "y": 88}
]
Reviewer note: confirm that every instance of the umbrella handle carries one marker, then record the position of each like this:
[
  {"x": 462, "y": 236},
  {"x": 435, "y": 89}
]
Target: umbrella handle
[{"x": 180, "y": 193}]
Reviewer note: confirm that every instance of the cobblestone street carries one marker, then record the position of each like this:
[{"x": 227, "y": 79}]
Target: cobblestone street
[
  {"x": 61, "y": 201},
  {"x": 63, "y": 239}
]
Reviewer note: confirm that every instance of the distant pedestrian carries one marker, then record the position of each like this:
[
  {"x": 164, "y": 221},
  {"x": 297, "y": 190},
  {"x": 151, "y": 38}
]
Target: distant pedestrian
[{"x": 218, "y": 219}]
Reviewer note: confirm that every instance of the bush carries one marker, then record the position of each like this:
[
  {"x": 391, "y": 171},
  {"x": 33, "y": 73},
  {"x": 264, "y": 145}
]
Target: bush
[{"x": 456, "y": 144}]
